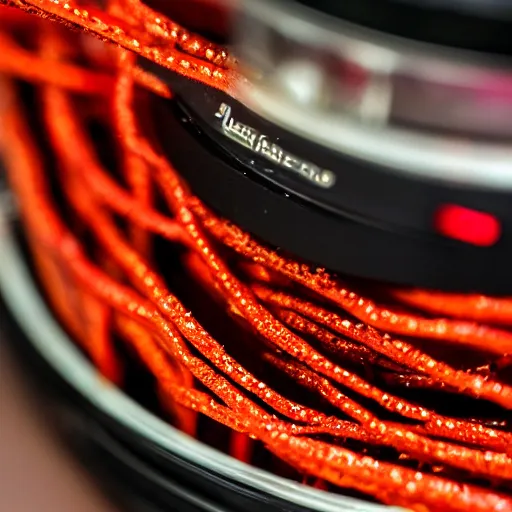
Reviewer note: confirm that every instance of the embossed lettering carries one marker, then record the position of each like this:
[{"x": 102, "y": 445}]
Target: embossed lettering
[{"x": 260, "y": 144}]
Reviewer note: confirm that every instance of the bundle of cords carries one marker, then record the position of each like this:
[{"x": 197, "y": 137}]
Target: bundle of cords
[{"x": 399, "y": 395}]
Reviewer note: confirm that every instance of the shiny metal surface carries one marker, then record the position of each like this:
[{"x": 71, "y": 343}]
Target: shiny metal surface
[{"x": 415, "y": 108}]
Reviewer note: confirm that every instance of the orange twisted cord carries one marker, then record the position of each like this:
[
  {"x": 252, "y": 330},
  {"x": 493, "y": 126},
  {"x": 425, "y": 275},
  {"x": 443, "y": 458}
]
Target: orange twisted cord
[{"x": 297, "y": 364}]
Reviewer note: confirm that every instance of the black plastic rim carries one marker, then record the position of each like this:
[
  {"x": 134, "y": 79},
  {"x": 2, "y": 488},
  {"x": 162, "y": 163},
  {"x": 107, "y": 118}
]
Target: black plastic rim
[
  {"x": 392, "y": 241},
  {"x": 362, "y": 191}
]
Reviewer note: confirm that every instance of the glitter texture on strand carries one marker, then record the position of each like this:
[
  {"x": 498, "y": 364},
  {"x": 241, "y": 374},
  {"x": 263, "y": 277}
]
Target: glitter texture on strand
[{"x": 402, "y": 396}]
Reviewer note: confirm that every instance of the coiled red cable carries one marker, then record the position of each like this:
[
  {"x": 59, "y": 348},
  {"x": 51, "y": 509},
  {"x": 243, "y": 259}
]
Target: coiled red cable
[{"x": 341, "y": 380}]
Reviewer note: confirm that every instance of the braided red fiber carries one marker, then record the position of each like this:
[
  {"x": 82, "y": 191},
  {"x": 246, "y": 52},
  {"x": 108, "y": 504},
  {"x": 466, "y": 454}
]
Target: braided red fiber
[
  {"x": 325, "y": 285},
  {"x": 435, "y": 424},
  {"x": 400, "y": 439},
  {"x": 156, "y": 361},
  {"x": 334, "y": 344},
  {"x": 423, "y": 493},
  {"x": 479, "y": 307},
  {"x": 111, "y": 29},
  {"x": 19, "y": 62},
  {"x": 171, "y": 33},
  {"x": 128, "y": 303},
  {"x": 394, "y": 349},
  {"x": 473, "y": 433},
  {"x": 120, "y": 288}
]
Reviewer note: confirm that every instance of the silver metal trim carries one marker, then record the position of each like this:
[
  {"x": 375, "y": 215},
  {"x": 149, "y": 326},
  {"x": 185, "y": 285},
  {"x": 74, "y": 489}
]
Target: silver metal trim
[
  {"x": 444, "y": 159},
  {"x": 374, "y": 49},
  {"x": 365, "y": 132}
]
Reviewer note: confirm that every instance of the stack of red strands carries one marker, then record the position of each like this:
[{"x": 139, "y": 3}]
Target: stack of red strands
[{"x": 400, "y": 395}]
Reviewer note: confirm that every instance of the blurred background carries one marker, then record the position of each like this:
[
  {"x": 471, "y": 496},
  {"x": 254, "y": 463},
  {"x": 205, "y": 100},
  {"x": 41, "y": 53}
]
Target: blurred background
[{"x": 36, "y": 472}]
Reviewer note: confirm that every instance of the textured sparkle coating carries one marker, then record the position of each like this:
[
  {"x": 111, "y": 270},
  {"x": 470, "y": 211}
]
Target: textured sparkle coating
[
  {"x": 324, "y": 284},
  {"x": 191, "y": 55},
  {"x": 330, "y": 380}
]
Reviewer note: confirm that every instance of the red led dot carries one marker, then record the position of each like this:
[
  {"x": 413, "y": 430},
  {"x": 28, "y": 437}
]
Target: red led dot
[{"x": 467, "y": 225}]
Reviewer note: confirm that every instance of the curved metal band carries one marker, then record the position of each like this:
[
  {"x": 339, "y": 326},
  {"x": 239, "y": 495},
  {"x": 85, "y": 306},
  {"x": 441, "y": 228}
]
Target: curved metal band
[
  {"x": 416, "y": 108},
  {"x": 27, "y": 306}
]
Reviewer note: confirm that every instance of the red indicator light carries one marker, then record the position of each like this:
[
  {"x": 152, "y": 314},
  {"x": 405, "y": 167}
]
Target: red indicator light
[{"x": 466, "y": 225}]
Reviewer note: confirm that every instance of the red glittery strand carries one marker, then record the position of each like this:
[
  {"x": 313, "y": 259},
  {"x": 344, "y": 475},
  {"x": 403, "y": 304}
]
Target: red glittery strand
[
  {"x": 111, "y": 29},
  {"x": 296, "y": 322},
  {"x": 397, "y": 350},
  {"x": 479, "y": 307},
  {"x": 388, "y": 434},
  {"x": 470, "y": 334}
]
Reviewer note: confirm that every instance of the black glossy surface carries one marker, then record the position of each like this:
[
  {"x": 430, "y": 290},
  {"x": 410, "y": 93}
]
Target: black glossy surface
[{"x": 376, "y": 224}]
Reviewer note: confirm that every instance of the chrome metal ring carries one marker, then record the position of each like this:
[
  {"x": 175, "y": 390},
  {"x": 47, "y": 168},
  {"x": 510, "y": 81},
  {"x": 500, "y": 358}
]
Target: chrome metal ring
[{"x": 415, "y": 108}]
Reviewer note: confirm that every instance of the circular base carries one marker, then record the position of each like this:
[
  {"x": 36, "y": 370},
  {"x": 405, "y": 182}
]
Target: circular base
[{"x": 144, "y": 462}]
